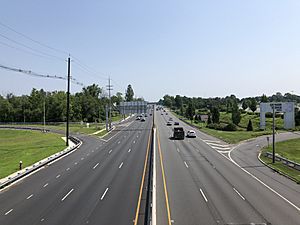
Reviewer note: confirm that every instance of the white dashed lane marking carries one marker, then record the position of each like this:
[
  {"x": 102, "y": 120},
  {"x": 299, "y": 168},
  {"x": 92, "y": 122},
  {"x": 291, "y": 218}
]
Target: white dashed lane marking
[{"x": 8, "y": 212}]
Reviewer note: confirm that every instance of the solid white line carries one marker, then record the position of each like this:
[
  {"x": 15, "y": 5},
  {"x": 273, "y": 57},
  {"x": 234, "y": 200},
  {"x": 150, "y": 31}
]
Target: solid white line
[
  {"x": 203, "y": 195},
  {"x": 154, "y": 180},
  {"x": 29, "y": 197},
  {"x": 268, "y": 187},
  {"x": 186, "y": 164},
  {"x": 58, "y": 176},
  {"x": 8, "y": 212},
  {"x": 95, "y": 166},
  {"x": 129, "y": 150},
  {"x": 67, "y": 194},
  {"x": 121, "y": 165},
  {"x": 110, "y": 151},
  {"x": 68, "y": 169},
  {"x": 102, "y": 197},
  {"x": 45, "y": 185},
  {"x": 239, "y": 194}
]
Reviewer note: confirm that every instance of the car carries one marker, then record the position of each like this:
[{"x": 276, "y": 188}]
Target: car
[
  {"x": 191, "y": 134},
  {"x": 146, "y": 115},
  {"x": 162, "y": 114},
  {"x": 166, "y": 113},
  {"x": 171, "y": 119},
  {"x": 150, "y": 114},
  {"x": 169, "y": 123},
  {"x": 138, "y": 118},
  {"x": 143, "y": 119},
  {"x": 176, "y": 123}
]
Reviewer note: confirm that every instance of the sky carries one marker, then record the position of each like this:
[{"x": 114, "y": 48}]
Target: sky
[{"x": 192, "y": 48}]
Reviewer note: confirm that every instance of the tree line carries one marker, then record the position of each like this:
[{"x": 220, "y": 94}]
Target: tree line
[
  {"x": 87, "y": 105},
  {"x": 186, "y": 106}
]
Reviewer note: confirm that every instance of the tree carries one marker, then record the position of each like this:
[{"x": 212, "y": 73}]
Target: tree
[
  {"x": 236, "y": 114},
  {"x": 245, "y": 104},
  {"x": 253, "y": 104},
  {"x": 209, "y": 119},
  {"x": 297, "y": 117},
  {"x": 249, "y": 126},
  {"x": 215, "y": 114},
  {"x": 264, "y": 98},
  {"x": 190, "y": 111},
  {"x": 129, "y": 94},
  {"x": 178, "y": 101}
]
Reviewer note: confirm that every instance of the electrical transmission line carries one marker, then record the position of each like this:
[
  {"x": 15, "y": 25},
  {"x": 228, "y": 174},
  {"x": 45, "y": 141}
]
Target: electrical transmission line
[{"x": 34, "y": 74}]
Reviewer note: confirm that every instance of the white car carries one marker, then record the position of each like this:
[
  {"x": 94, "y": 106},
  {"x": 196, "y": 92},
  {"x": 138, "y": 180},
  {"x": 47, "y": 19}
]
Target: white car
[{"x": 191, "y": 134}]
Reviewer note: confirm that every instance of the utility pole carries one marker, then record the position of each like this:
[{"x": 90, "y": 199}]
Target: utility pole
[
  {"x": 109, "y": 88},
  {"x": 68, "y": 101},
  {"x": 273, "y": 157},
  {"x": 45, "y": 113}
]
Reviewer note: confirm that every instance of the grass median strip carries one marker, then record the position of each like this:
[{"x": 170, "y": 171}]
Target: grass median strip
[
  {"x": 288, "y": 149},
  {"x": 26, "y": 146}
]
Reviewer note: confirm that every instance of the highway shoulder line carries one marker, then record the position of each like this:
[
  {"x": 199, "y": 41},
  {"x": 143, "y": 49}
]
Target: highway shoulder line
[{"x": 164, "y": 179}]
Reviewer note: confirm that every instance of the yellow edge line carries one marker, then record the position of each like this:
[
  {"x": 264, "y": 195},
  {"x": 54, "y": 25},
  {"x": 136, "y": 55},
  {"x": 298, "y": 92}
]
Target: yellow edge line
[
  {"x": 142, "y": 183},
  {"x": 164, "y": 180}
]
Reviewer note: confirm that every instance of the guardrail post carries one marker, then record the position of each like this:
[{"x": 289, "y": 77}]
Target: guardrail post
[{"x": 20, "y": 165}]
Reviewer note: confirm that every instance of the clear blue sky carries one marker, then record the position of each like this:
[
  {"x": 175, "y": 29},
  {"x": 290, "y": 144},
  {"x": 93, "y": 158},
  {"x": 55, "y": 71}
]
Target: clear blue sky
[{"x": 192, "y": 48}]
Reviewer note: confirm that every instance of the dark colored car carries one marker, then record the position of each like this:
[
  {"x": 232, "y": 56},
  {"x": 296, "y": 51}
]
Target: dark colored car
[{"x": 176, "y": 123}]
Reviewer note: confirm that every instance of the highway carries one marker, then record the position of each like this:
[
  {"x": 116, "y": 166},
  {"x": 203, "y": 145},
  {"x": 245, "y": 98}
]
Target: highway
[
  {"x": 198, "y": 183},
  {"x": 97, "y": 184}
]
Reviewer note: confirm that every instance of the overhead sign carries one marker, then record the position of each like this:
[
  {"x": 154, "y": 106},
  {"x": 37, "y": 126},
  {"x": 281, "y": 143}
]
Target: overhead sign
[
  {"x": 284, "y": 107},
  {"x": 133, "y": 107}
]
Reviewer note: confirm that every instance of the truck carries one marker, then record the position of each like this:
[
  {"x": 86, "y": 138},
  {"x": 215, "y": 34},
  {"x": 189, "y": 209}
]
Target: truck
[{"x": 178, "y": 133}]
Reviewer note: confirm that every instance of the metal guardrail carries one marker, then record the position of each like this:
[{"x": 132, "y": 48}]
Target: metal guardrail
[
  {"x": 40, "y": 164},
  {"x": 285, "y": 161}
]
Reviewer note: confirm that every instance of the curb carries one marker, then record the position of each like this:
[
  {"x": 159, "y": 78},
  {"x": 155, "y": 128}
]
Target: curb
[
  {"x": 276, "y": 170},
  {"x": 40, "y": 164}
]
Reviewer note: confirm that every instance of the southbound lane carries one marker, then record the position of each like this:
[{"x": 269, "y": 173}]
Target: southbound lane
[{"x": 97, "y": 184}]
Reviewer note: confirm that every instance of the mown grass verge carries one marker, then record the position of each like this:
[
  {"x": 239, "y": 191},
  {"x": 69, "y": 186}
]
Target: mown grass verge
[
  {"x": 26, "y": 146},
  {"x": 288, "y": 149}
]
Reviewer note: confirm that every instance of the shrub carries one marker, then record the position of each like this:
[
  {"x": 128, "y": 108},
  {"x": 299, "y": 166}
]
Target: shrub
[
  {"x": 250, "y": 127},
  {"x": 230, "y": 127}
]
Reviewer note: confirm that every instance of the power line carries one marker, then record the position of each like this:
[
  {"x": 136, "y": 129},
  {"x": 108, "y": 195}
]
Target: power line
[
  {"x": 32, "y": 49},
  {"x": 31, "y": 39},
  {"x": 87, "y": 68},
  {"x": 34, "y": 74},
  {"x": 22, "y": 50}
]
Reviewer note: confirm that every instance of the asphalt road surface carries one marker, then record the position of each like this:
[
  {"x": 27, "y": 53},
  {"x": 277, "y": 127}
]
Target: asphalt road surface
[
  {"x": 97, "y": 184},
  {"x": 198, "y": 183}
]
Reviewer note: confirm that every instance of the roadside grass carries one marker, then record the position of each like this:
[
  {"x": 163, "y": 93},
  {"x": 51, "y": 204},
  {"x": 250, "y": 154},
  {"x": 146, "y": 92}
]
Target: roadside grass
[
  {"x": 234, "y": 137},
  {"x": 231, "y": 137},
  {"x": 288, "y": 149},
  {"x": 74, "y": 127},
  {"x": 102, "y": 133},
  {"x": 27, "y": 146}
]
